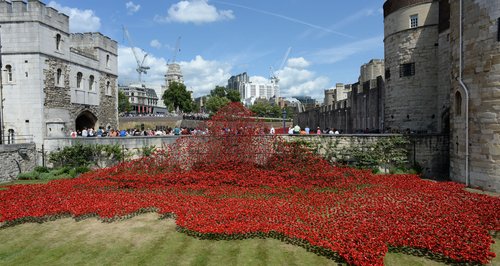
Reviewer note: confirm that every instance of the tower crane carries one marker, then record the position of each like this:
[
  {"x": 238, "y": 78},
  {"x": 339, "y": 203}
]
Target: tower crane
[
  {"x": 275, "y": 74},
  {"x": 140, "y": 64},
  {"x": 176, "y": 50}
]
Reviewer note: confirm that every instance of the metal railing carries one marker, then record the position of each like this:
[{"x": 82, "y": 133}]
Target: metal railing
[{"x": 16, "y": 139}]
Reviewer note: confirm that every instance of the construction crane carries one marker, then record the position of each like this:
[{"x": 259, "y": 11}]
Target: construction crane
[
  {"x": 176, "y": 50},
  {"x": 140, "y": 64},
  {"x": 275, "y": 74}
]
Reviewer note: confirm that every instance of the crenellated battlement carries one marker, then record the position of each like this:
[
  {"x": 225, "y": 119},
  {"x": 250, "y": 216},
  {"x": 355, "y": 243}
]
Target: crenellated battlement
[
  {"x": 32, "y": 10},
  {"x": 83, "y": 41}
]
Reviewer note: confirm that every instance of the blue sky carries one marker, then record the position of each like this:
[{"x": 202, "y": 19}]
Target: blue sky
[{"x": 326, "y": 40}]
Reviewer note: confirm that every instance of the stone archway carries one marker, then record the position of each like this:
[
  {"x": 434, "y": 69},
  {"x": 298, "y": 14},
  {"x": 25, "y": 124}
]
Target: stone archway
[{"x": 85, "y": 119}]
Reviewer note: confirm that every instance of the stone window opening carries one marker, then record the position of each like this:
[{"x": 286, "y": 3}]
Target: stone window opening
[
  {"x": 406, "y": 70},
  {"x": 458, "y": 103},
  {"x": 58, "y": 42},
  {"x": 107, "y": 60},
  {"x": 79, "y": 77},
  {"x": 414, "y": 21},
  {"x": 8, "y": 69},
  {"x": 58, "y": 76},
  {"x": 108, "y": 87},
  {"x": 387, "y": 73},
  {"x": 91, "y": 82},
  {"x": 498, "y": 30}
]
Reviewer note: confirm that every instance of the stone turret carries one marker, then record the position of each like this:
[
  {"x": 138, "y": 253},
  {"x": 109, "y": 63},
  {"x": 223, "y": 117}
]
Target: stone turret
[{"x": 411, "y": 66}]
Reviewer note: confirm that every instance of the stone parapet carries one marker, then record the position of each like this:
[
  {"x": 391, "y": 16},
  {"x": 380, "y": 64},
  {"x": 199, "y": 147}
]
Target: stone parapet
[
  {"x": 391, "y": 6},
  {"x": 19, "y": 11},
  {"x": 16, "y": 159}
]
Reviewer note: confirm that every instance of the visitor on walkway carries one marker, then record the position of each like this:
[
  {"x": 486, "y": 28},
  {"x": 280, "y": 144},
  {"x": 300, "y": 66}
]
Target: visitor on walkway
[{"x": 296, "y": 129}]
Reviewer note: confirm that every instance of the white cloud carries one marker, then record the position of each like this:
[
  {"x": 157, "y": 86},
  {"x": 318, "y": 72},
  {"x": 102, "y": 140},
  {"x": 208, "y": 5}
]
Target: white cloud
[
  {"x": 201, "y": 76},
  {"x": 339, "y": 53},
  {"x": 155, "y": 44},
  {"x": 127, "y": 66},
  {"x": 79, "y": 20},
  {"x": 314, "y": 88},
  {"x": 132, "y": 8},
  {"x": 195, "y": 11},
  {"x": 297, "y": 62},
  {"x": 297, "y": 80},
  {"x": 258, "y": 79}
]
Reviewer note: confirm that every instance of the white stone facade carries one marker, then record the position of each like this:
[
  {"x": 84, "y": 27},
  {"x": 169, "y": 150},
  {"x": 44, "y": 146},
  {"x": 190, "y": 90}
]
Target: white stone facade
[
  {"x": 54, "y": 81},
  {"x": 174, "y": 74},
  {"x": 253, "y": 90}
]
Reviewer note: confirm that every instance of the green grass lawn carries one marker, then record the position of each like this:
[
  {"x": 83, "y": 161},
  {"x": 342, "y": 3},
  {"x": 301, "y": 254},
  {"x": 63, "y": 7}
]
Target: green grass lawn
[{"x": 146, "y": 240}]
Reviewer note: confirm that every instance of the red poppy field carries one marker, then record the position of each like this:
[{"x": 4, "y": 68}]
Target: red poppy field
[{"x": 236, "y": 184}]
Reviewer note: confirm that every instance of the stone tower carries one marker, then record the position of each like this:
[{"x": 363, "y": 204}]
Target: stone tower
[
  {"x": 414, "y": 97},
  {"x": 174, "y": 74},
  {"x": 54, "y": 81},
  {"x": 480, "y": 75}
]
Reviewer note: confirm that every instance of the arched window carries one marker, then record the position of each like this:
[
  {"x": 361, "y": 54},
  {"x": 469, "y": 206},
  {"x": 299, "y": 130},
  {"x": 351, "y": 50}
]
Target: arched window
[
  {"x": 91, "y": 82},
  {"x": 8, "y": 69},
  {"x": 107, "y": 60},
  {"x": 58, "y": 76},
  {"x": 58, "y": 41},
  {"x": 108, "y": 87},
  {"x": 79, "y": 77},
  {"x": 458, "y": 103}
]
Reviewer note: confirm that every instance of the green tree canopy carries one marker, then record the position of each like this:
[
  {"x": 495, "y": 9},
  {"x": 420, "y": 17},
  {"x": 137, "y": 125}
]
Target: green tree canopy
[
  {"x": 177, "y": 97},
  {"x": 230, "y": 94},
  {"x": 233, "y": 95},
  {"x": 265, "y": 109},
  {"x": 214, "y": 103},
  {"x": 219, "y": 91},
  {"x": 123, "y": 103}
]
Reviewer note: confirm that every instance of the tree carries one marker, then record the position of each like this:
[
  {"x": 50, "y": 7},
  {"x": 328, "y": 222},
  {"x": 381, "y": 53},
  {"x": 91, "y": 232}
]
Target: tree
[
  {"x": 123, "y": 103},
  {"x": 219, "y": 91},
  {"x": 214, "y": 103},
  {"x": 233, "y": 95},
  {"x": 177, "y": 97},
  {"x": 230, "y": 94},
  {"x": 265, "y": 109}
]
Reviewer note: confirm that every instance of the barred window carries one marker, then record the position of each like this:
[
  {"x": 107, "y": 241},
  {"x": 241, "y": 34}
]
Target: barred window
[
  {"x": 413, "y": 21},
  {"x": 406, "y": 70}
]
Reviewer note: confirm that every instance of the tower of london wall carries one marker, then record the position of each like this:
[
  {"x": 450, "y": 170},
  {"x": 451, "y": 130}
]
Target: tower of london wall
[
  {"x": 411, "y": 63},
  {"x": 481, "y": 75}
]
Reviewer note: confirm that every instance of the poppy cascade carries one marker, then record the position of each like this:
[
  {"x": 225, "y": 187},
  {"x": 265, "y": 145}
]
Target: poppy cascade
[{"x": 238, "y": 183}]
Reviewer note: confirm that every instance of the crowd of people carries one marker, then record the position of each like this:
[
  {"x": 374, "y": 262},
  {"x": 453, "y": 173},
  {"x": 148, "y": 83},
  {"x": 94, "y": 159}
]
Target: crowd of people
[
  {"x": 297, "y": 130},
  {"x": 101, "y": 132}
]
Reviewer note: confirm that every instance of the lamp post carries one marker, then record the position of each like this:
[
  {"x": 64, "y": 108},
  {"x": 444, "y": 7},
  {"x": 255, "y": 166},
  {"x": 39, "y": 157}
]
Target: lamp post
[
  {"x": 345, "y": 111},
  {"x": 284, "y": 122}
]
